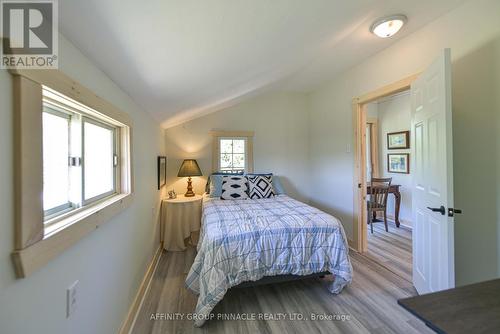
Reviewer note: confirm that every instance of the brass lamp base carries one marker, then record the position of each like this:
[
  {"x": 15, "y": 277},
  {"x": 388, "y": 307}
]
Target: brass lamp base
[{"x": 189, "y": 192}]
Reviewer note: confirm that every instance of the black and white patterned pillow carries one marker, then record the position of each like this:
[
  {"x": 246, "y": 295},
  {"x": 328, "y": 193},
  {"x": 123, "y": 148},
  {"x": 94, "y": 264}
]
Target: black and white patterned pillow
[
  {"x": 234, "y": 187},
  {"x": 260, "y": 186}
]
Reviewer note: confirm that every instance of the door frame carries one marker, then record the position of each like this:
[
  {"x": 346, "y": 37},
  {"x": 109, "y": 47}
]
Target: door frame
[
  {"x": 374, "y": 146},
  {"x": 359, "y": 242}
]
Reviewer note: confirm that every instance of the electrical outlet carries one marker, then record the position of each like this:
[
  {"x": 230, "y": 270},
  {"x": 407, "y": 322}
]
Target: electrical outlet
[{"x": 71, "y": 299}]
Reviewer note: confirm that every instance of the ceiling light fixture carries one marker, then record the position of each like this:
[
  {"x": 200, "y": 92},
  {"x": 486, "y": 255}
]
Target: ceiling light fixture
[{"x": 388, "y": 26}]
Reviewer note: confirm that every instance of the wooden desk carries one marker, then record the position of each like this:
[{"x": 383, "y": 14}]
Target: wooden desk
[
  {"x": 393, "y": 189},
  {"x": 469, "y": 309}
]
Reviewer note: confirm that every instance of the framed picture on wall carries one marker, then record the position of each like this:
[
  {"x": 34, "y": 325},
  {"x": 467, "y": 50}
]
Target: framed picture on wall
[
  {"x": 398, "y": 163},
  {"x": 162, "y": 171},
  {"x": 398, "y": 140}
]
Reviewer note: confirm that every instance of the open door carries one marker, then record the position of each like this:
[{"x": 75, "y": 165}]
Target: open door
[{"x": 432, "y": 148}]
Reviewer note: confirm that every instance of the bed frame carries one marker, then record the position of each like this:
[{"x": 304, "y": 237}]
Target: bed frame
[{"x": 280, "y": 279}]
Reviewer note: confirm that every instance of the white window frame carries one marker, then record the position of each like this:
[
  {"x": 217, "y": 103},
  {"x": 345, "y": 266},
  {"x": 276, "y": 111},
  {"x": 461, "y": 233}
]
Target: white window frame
[
  {"x": 77, "y": 120},
  {"x": 232, "y": 170},
  {"x": 86, "y": 202},
  {"x": 36, "y": 243},
  {"x": 69, "y": 206},
  {"x": 247, "y": 136}
]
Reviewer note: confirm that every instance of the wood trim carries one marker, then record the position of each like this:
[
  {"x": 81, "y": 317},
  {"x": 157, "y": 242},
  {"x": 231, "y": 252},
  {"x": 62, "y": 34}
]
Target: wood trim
[
  {"x": 141, "y": 293},
  {"x": 215, "y": 153},
  {"x": 391, "y": 89},
  {"x": 359, "y": 121},
  {"x": 28, "y": 162},
  {"x": 250, "y": 153},
  {"x": 28, "y": 260},
  {"x": 374, "y": 148},
  {"x": 359, "y": 174},
  {"x": 352, "y": 244},
  {"x": 34, "y": 244},
  {"x": 402, "y": 222},
  {"x": 219, "y": 133},
  {"x": 60, "y": 82}
]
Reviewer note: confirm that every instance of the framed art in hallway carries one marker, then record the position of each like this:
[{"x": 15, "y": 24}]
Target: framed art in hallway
[
  {"x": 162, "y": 171},
  {"x": 398, "y": 140},
  {"x": 398, "y": 163}
]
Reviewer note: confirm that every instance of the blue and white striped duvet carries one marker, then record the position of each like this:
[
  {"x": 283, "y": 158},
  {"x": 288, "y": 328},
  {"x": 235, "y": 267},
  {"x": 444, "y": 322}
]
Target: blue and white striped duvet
[{"x": 245, "y": 240}]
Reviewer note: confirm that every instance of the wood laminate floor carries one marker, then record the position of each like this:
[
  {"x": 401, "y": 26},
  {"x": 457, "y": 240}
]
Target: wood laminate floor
[
  {"x": 391, "y": 249},
  {"x": 370, "y": 301}
]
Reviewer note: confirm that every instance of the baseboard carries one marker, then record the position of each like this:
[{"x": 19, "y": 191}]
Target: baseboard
[
  {"x": 136, "y": 303},
  {"x": 352, "y": 245},
  {"x": 403, "y": 222}
]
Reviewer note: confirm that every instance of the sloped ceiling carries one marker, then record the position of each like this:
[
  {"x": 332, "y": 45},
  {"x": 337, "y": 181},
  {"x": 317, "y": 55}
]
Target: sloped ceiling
[{"x": 180, "y": 59}]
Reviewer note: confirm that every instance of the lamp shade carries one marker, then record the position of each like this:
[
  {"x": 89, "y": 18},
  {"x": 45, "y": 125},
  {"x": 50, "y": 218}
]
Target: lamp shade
[{"x": 189, "y": 167}]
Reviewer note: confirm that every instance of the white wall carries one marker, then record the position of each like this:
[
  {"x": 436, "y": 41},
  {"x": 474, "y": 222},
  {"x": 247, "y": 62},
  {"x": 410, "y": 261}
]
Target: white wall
[
  {"x": 280, "y": 123},
  {"x": 110, "y": 262},
  {"x": 393, "y": 116},
  {"x": 472, "y": 31}
]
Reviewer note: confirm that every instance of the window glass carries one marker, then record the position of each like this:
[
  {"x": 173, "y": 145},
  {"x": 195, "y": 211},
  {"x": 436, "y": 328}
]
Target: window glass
[
  {"x": 239, "y": 146},
  {"x": 79, "y": 156},
  {"x": 98, "y": 160},
  {"x": 232, "y": 154},
  {"x": 55, "y": 161},
  {"x": 226, "y": 146}
]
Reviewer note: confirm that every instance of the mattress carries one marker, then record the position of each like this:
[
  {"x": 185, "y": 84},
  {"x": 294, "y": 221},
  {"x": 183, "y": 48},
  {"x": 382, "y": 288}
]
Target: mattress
[{"x": 245, "y": 240}]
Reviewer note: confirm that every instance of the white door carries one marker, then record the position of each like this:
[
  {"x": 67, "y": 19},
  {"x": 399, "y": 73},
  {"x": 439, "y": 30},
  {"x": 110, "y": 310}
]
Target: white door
[{"x": 433, "y": 241}]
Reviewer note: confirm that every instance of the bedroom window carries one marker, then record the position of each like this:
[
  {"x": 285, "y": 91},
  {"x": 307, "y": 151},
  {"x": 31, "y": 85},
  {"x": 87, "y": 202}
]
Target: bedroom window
[
  {"x": 232, "y": 154},
  {"x": 73, "y": 165},
  {"x": 79, "y": 156},
  {"x": 232, "y": 151}
]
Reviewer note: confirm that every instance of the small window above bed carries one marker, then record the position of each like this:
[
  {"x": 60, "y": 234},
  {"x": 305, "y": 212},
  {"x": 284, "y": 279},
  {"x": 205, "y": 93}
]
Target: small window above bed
[
  {"x": 232, "y": 151},
  {"x": 232, "y": 156}
]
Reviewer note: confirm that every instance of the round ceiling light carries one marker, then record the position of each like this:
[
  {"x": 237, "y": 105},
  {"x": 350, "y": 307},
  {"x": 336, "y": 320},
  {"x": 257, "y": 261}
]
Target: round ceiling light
[{"x": 388, "y": 26}]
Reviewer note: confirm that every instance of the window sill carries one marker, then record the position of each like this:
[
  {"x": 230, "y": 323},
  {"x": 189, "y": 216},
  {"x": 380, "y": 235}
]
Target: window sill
[{"x": 61, "y": 235}]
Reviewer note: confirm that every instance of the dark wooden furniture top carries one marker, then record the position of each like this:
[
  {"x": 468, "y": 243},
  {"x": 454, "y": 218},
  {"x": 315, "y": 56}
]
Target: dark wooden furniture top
[
  {"x": 392, "y": 189},
  {"x": 469, "y": 309}
]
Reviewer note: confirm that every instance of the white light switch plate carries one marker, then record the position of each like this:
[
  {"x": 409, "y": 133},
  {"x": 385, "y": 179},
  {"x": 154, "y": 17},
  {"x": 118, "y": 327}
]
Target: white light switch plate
[{"x": 71, "y": 299}]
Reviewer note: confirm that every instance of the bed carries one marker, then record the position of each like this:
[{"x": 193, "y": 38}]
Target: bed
[{"x": 247, "y": 240}]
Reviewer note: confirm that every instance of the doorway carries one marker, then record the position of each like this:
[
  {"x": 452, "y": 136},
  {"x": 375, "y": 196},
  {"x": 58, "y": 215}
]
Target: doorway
[
  {"x": 360, "y": 119},
  {"x": 387, "y": 149},
  {"x": 432, "y": 164}
]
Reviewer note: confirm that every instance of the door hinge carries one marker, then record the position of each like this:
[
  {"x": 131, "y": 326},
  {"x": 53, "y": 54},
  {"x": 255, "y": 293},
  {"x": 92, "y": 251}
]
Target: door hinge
[{"x": 74, "y": 161}]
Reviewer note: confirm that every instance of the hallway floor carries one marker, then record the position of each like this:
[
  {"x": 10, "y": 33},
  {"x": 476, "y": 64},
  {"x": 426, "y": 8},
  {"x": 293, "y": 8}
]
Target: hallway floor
[{"x": 392, "y": 249}]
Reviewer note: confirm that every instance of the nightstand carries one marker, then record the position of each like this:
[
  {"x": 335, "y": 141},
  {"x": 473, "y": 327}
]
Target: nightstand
[{"x": 180, "y": 217}]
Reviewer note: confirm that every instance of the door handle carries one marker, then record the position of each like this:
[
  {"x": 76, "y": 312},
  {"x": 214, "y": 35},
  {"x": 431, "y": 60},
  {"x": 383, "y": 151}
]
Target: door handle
[
  {"x": 441, "y": 209},
  {"x": 452, "y": 211}
]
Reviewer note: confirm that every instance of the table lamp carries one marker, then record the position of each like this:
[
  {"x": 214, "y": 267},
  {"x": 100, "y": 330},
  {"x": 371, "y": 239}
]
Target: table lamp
[{"x": 189, "y": 168}]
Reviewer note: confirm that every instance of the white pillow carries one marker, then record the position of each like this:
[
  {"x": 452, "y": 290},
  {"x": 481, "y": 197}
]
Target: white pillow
[{"x": 234, "y": 187}]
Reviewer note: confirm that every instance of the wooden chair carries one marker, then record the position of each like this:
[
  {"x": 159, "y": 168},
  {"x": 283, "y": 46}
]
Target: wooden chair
[{"x": 378, "y": 199}]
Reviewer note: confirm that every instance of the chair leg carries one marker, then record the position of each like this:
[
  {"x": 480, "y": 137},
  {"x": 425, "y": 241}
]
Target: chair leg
[
  {"x": 385, "y": 221},
  {"x": 370, "y": 221}
]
